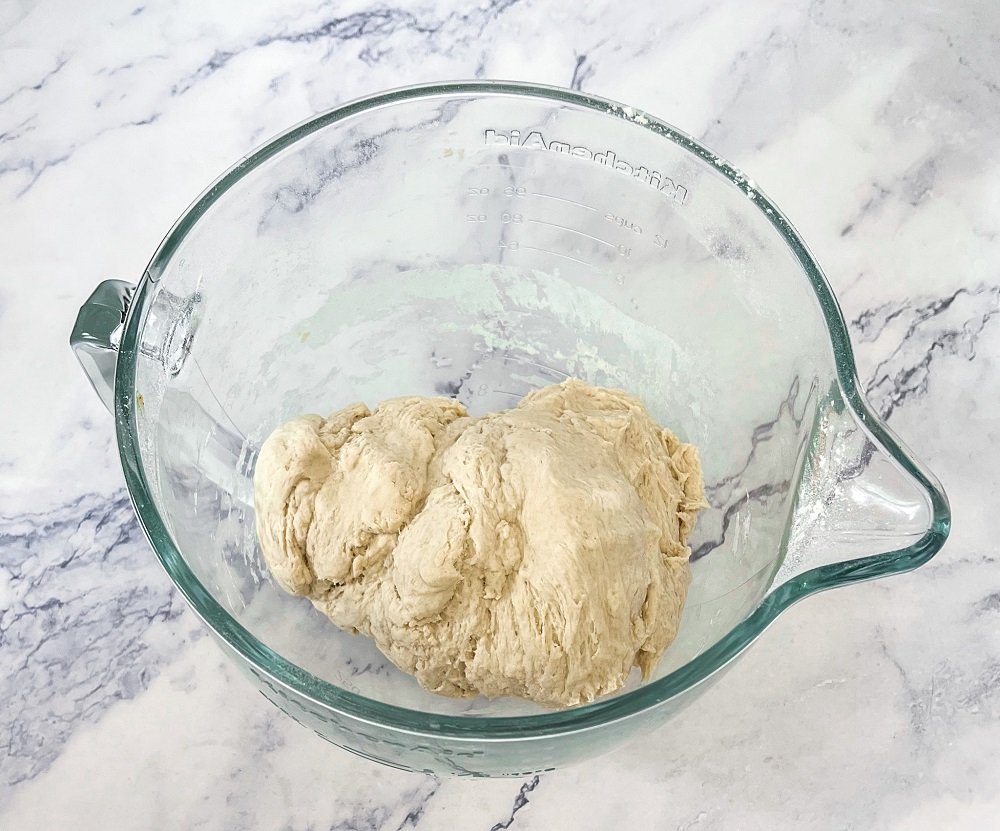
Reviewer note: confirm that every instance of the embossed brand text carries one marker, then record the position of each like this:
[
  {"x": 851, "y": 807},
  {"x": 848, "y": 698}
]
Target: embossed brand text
[{"x": 535, "y": 140}]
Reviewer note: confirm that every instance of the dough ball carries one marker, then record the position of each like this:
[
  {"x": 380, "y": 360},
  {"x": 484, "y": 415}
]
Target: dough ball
[{"x": 538, "y": 552}]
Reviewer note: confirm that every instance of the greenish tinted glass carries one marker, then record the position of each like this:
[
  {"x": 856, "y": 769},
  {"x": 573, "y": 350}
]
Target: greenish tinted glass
[{"x": 479, "y": 240}]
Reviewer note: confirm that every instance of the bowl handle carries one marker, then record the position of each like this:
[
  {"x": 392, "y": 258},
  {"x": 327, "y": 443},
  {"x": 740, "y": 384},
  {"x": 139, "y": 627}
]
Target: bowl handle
[{"x": 97, "y": 334}]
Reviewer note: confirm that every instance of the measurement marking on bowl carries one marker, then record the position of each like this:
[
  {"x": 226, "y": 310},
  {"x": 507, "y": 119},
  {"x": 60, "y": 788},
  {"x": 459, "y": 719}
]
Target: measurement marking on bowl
[
  {"x": 574, "y": 231},
  {"x": 544, "y": 366},
  {"x": 557, "y": 254},
  {"x": 563, "y": 199}
]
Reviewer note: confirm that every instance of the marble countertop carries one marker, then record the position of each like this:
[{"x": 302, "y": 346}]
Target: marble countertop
[{"x": 873, "y": 128}]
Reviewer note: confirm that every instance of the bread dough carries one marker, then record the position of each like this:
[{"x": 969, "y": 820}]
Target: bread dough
[{"x": 536, "y": 552}]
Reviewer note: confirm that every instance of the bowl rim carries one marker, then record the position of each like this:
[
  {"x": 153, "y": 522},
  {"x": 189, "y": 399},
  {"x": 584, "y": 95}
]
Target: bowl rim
[{"x": 700, "y": 669}]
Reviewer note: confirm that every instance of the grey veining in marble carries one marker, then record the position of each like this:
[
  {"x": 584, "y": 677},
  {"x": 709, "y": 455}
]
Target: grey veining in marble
[
  {"x": 873, "y": 126},
  {"x": 83, "y": 596}
]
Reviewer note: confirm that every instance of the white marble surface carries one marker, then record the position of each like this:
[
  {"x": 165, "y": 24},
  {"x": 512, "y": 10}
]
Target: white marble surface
[{"x": 874, "y": 127}]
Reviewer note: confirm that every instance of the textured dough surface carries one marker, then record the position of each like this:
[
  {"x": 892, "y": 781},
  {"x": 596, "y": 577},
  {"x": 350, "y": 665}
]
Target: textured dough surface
[{"x": 537, "y": 552}]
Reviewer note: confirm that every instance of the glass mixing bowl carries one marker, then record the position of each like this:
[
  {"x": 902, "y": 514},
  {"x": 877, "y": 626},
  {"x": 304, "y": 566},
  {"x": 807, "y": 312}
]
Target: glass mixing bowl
[{"x": 478, "y": 240}]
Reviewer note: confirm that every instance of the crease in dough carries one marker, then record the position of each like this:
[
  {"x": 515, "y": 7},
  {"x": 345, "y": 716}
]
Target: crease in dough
[{"x": 538, "y": 552}]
